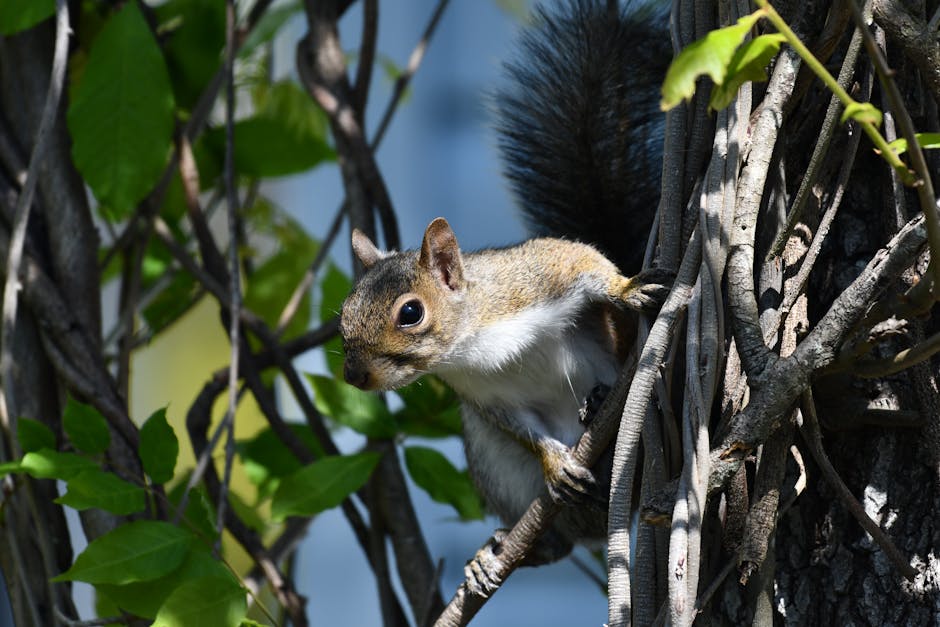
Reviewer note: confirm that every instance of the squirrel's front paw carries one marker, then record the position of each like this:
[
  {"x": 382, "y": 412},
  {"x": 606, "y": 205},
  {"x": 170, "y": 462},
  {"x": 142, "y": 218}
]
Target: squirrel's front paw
[
  {"x": 649, "y": 289},
  {"x": 569, "y": 482},
  {"x": 480, "y": 571}
]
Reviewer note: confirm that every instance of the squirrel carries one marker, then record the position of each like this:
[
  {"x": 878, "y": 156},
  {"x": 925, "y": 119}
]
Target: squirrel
[{"x": 527, "y": 335}]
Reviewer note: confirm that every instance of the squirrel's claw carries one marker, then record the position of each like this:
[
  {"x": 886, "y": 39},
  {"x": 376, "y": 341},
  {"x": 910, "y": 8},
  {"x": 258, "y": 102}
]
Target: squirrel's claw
[
  {"x": 649, "y": 289},
  {"x": 592, "y": 403},
  {"x": 569, "y": 482},
  {"x": 480, "y": 571}
]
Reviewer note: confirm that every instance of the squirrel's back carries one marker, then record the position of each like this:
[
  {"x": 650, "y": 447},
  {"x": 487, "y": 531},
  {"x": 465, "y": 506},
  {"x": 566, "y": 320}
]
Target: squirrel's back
[{"x": 579, "y": 125}]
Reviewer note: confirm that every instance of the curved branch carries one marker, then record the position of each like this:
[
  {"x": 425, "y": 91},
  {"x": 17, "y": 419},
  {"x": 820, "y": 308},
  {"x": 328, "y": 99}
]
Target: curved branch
[{"x": 742, "y": 302}]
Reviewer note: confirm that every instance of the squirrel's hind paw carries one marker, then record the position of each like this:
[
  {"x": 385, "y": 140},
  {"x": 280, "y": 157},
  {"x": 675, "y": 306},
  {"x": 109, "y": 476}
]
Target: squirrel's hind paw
[{"x": 480, "y": 571}]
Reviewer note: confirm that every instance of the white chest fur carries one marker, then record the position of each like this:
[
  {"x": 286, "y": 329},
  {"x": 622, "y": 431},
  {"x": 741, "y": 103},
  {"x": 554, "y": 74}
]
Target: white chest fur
[{"x": 540, "y": 364}]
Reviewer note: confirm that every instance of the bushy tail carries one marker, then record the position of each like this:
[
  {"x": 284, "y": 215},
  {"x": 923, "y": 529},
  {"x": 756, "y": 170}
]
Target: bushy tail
[{"x": 579, "y": 125}]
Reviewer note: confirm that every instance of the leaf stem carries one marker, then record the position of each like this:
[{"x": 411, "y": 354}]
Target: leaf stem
[{"x": 887, "y": 153}]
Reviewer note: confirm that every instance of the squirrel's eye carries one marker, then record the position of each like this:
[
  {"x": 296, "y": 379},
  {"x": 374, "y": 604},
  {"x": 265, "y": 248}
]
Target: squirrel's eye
[{"x": 410, "y": 314}]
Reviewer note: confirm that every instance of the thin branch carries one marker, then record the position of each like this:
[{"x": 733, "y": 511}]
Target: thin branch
[
  {"x": 414, "y": 62},
  {"x": 830, "y": 122},
  {"x": 234, "y": 269},
  {"x": 293, "y": 303},
  {"x": 370, "y": 28},
  {"x": 813, "y": 437},
  {"x": 197, "y": 423},
  {"x": 902, "y": 360}
]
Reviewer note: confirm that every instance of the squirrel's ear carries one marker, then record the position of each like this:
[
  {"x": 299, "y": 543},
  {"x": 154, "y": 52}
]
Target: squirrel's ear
[
  {"x": 367, "y": 252},
  {"x": 440, "y": 254}
]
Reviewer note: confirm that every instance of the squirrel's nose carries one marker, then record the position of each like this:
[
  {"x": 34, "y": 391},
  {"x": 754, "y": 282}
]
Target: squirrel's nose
[{"x": 355, "y": 374}]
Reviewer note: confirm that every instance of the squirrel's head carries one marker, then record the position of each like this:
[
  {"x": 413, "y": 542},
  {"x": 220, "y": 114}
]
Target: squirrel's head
[{"x": 404, "y": 313}]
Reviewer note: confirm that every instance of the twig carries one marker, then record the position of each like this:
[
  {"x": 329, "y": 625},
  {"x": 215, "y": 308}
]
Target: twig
[
  {"x": 819, "y": 70},
  {"x": 128, "y": 301},
  {"x": 202, "y": 462},
  {"x": 293, "y": 304},
  {"x": 902, "y": 360},
  {"x": 370, "y": 27},
  {"x": 414, "y": 62},
  {"x": 197, "y": 422},
  {"x": 234, "y": 269},
  {"x": 810, "y": 428}
]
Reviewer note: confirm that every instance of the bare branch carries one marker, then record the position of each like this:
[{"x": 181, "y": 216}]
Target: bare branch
[{"x": 813, "y": 437}]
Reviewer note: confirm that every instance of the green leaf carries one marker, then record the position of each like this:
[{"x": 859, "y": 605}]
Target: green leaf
[
  {"x": 862, "y": 112},
  {"x": 268, "y": 26},
  {"x": 170, "y": 303},
  {"x": 431, "y": 409},
  {"x": 709, "y": 55},
  {"x": 144, "y": 598},
  {"x": 288, "y": 102},
  {"x": 212, "y": 600},
  {"x": 273, "y": 282},
  {"x": 33, "y": 435},
  {"x": 194, "y": 38},
  {"x": 747, "y": 64},
  {"x": 444, "y": 483},
  {"x": 267, "y": 146},
  {"x": 49, "y": 464},
  {"x": 266, "y": 459},
  {"x": 121, "y": 119},
  {"x": 251, "y": 515},
  {"x": 361, "y": 411},
  {"x": 18, "y": 15},
  {"x": 103, "y": 490},
  {"x": 200, "y": 514},
  {"x": 334, "y": 288},
  {"x": 286, "y": 136},
  {"x": 138, "y": 551},
  {"x": 927, "y": 141},
  {"x": 322, "y": 485},
  {"x": 86, "y": 427},
  {"x": 159, "y": 447},
  {"x": 7, "y": 468}
]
